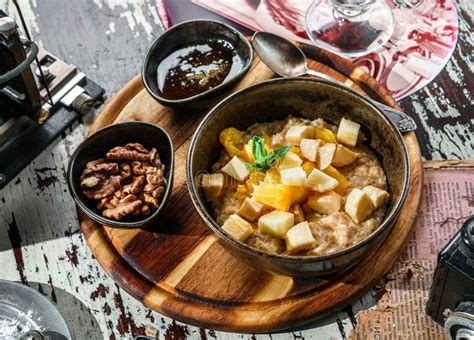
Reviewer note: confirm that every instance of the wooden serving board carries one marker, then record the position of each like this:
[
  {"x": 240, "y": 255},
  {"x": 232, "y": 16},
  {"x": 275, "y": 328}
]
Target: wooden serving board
[{"x": 178, "y": 269}]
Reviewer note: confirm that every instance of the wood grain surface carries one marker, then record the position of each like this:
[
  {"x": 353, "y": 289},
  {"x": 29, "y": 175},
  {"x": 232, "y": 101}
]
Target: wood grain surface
[
  {"x": 40, "y": 241},
  {"x": 178, "y": 269}
]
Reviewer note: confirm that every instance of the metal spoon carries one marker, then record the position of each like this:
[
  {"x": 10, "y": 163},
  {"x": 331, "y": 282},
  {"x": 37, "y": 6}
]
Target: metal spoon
[{"x": 288, "y": 60}]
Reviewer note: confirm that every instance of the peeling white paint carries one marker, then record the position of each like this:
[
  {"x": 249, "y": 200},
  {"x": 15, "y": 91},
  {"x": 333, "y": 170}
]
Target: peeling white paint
[
  {"x": 455, "y": 141},
  {"x": 137, "y": 15},
  {"x": 111, "y": 28}
]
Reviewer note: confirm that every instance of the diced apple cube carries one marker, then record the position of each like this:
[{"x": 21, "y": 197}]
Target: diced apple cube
[
  {"x": 358, "y": 205},
  {"x": 212, "y": 185},
  {"x": 236, "y": 169},
  {"x": 276, "y": 223},
  {"x": 299, "y": 238},
  {"x": 291, "y": 160},
  {"x": 296, "y": 133},
  {"x": 238, "y": 228},
  {"x": 250, "y": 209},
  {"x": 325, "y": 155},
  {"x": 293, "y": 176},
  {"x": 348, "y": 132},
  {"x": 320, "y": 182},
  {"x": 325, "y": 204},
  {"x": 343, "y": 156},
  {"x": 309, "y": 148},
  {"x": 377, "y": 196}
]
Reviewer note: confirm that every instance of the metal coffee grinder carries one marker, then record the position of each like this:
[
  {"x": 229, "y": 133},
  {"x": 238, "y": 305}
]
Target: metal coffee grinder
[{"x": 40, "y": 96}]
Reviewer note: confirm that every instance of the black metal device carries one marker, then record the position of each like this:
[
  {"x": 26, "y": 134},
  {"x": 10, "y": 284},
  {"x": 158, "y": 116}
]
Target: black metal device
[
  {"x": 451, "y": 301},
  {"x": 40, "y": 96}
]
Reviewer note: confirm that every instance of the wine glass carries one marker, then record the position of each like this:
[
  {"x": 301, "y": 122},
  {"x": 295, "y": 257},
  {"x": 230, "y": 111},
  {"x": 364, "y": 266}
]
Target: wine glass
[{"x": 350, "y": 28}]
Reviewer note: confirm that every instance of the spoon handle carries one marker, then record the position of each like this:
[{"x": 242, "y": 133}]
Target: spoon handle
[{"x": 403, "y": 121}]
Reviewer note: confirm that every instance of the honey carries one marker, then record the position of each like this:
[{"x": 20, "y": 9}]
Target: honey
[{"x": 196, "y": 68}]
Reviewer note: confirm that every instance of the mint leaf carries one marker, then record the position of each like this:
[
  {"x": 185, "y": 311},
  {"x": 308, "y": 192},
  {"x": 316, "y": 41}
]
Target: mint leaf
[{"x": 264, "y": 160}]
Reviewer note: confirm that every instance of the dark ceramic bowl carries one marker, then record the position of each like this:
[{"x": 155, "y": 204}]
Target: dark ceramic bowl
[
  {"x": 307, "y": 98},
  {"x": 190, "y": 32},
  {"x": 96, "y": 145}
]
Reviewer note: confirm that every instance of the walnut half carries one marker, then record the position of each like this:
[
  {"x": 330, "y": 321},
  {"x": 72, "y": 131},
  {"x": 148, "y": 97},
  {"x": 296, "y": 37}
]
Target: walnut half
[
  {"x": 126, "y": 206},
  {"x": 129, "y": 181},
  {"x": 131, "y": 151}
]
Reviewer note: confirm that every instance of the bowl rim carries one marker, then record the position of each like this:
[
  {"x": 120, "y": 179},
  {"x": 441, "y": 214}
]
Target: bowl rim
[
  {"x": 387, "y": 222},
  {"x": 107, "y": 221},
  {"x": 201, "y": 95}
]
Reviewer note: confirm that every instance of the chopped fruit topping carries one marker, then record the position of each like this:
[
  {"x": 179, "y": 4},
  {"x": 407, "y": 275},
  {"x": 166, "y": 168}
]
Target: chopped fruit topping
[
  {"x": 299, "y": 238},
  {"x": 272, "y": 176},
  {"x": 250, "y": 210},
  {"x": 293, "y": 176},
  {"x": 236, "y": 169},
  {"x": 348, "y": 132},
  {"x": 325, "y": 155},
  {"x": 296, "y": 133},
  {"x": 248, "y": 151},
  {"x": 276, "y": 223},
  {"x": 230, "y": 138},
  {"x": 238, "y": 228},
  {"x": 308, "y": 167},
  {"x": 325, "y": 135},
  {"x": 212, "y": 185},
  {"x": 246, "y": 189},
  {"x": 325, "y": 204},
  {"x": 377, "y": 196},
  {"x": 344, "y": 156},
  {"x": 262, "y": 159},
  {"x": 279, "y": 196},
  {"x": 297, "y": 210},
  {"x": 296, "y": 150},
  {"x": 343, "y": 182},
  {"x": 291, "y": 160},
  {"x": 320, "y": 182},
  {"x": 309, "y": 148},
  {"x": 358, "y": 205}
]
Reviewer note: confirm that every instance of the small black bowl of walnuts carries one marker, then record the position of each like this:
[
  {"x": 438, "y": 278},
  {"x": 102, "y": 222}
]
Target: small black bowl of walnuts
[{"x": 122, "y": 175}]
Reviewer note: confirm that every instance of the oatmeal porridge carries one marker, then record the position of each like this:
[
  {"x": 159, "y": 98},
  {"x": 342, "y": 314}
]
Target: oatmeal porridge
[{"x": 297, "y": 187}]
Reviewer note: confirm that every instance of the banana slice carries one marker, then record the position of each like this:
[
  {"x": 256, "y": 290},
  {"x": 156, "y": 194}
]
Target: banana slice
[
  {"x": 377, "y": 196},
  {"x": 320, "y": 182},
  {"x": 276, "y": 223},
  {"x": 236, "y": 169},
  {"x": 238, "y": 228},
  {"x": 325, "y": 204},
  {"x": 296, "y": 133},
  {"x": 358, "y": 205},
  {"x": 250, "y": 209},
  {"x": 212, "y": 185},
  {"x": 325, "y": 155},
  {"x": 309, "y": 148},
  {"x": 348, "y": 132},
  {"x": 299, "y": 238},
  {"x": 293, "y": 176},
  {"x": 343, "y": 156},
  {"x": 291, "y": 160}
]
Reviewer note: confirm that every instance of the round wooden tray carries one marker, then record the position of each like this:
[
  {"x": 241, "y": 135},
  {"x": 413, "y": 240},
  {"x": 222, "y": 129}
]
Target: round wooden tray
[{"x": 178, "y": 269}]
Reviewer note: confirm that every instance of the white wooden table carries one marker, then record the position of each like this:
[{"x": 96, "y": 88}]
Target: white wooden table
[{"x": 40, "y": 241}]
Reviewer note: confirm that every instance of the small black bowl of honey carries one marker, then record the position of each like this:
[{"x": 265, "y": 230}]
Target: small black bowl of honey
[{"x": 193, "y": 64}]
